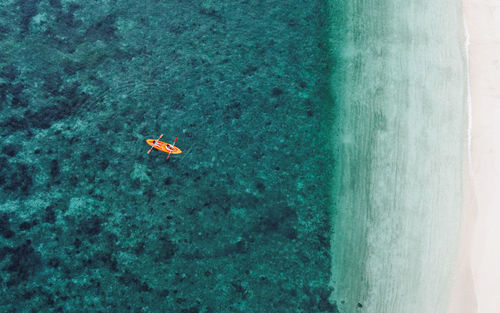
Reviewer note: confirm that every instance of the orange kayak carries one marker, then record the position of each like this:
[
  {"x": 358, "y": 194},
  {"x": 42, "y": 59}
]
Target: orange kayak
[{"x": 163, "y": 146}]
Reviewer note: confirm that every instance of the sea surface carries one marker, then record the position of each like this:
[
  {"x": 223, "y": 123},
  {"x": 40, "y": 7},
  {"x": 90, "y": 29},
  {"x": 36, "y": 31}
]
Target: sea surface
[
  {"x": 399, "y": 146},
  {"x": 321, "y": 171},
  {"x": 239, "y": 222}
]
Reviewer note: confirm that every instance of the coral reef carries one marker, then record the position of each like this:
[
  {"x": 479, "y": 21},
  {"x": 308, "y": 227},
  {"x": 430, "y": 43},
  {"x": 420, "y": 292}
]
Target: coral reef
[{"x": 237, "y": 223}]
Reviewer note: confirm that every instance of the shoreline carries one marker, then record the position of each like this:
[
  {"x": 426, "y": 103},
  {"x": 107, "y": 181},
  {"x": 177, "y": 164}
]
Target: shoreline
[
  {"x": 477, "y": 273},
  {"x": 462, "y": 295}
]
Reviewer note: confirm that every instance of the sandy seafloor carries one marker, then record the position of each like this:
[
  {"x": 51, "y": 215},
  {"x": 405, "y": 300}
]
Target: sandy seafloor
[{"x": 238, "y": 223}]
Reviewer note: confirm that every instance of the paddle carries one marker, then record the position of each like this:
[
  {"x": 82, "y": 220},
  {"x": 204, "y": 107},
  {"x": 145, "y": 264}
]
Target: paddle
[
  {"x": 155, "y": 143},
  {"x": 172, "y": 147}
]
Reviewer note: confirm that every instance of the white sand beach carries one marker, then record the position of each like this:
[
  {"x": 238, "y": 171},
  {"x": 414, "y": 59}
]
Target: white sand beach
[{"x": 478, "y": 279}]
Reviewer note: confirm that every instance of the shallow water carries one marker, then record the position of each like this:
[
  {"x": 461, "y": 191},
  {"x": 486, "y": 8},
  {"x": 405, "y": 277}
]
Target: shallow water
[
  {"x": 400, "y": 136},
  {"x": 237, "y": 223}
]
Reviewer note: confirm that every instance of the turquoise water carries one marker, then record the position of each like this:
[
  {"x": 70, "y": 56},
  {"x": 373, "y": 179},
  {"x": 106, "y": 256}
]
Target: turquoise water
[
  {"x": 322, "y": 156},
  {"x": 237, "y": 223},
  {"x": 399, "y": 141}
]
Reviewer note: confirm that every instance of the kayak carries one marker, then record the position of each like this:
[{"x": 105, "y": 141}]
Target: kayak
[{"x": 163, "y": 146}]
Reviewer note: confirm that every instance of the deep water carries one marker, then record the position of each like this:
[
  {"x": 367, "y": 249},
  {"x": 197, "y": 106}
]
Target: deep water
[{"x": 237, "y": 223}]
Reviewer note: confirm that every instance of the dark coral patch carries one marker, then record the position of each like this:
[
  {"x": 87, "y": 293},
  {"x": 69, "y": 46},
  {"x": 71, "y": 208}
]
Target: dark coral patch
[
  {"x": 14, "y": 123},
  {"x": 16, "y": 89},
  {"x": 3, "y": 92},
  {"x": 276, "y": 92},
  {"x": 250, "y": 70},
  {"x": 10, "y": 150},
  {"x": 167, "y": 249},
  {"x": 27, "y": 9},
  {"x": 278, "y": 219},
  {"x": 68, "y": 19},
  {"x": 5, "y": 230},
  {"x": 55, "y": 4},
  {"x": 54, "y": 262},
  {"x": 9, "y": 72},
  {"x": 91, "y": 226},
  {"x": 233, "y": 111},
  {"x": 45, "y": 117},
  {"x": 132, "y": 280},
  {"x": 53, "y": 83},
  {"x": 17, "y": 178},
  {"x": 24, "y": 262},
  {"x": 85, "y": 156},
  {"x": 260, "y": 186},
  {"x": 25, "y": 226},
  {"x": 19, "y": 102},
  {"x": 103, "y": 30},
  {"x": 4, "y": 31},
  {"x": 50, "y": 215},
  {"x": 54, "y": 168},
  {"x": 71, "y": 67}
]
